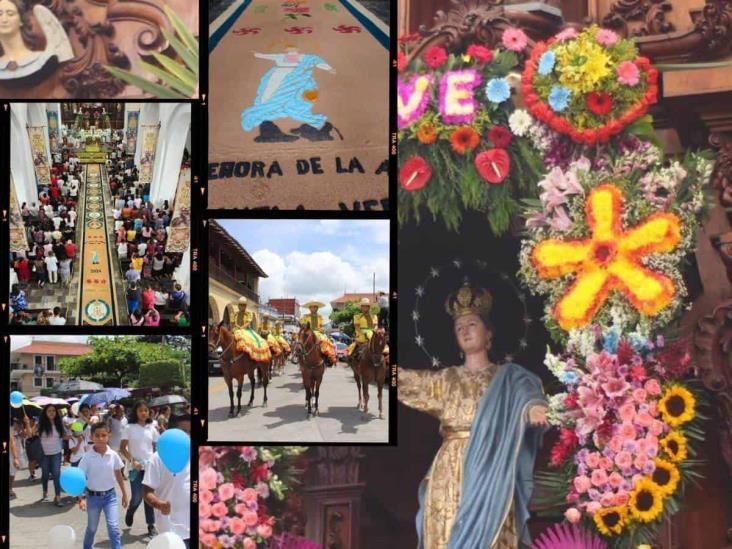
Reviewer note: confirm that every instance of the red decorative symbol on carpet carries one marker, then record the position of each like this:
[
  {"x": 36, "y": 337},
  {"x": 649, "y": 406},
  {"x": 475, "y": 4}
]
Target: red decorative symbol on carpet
[
  {"x": 301, "y": 9},
  {"x": 347, "y": 28},
  {"x": 299, "y": 30},
  {"x": 246, "y": 30}
]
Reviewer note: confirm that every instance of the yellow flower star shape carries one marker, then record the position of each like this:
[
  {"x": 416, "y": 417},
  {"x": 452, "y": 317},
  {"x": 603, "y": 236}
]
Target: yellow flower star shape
[{"x": 609, "y": 260}]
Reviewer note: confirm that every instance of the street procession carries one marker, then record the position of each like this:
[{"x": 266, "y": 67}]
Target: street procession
[{"x": 306, "y": 366}]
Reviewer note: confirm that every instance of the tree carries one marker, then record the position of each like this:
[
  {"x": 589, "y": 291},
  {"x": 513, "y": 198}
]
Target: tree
[
  {"x": 165, "y": 374},
  {"x": 343, "y": 319},
  {"x": 115, "y": 361}
]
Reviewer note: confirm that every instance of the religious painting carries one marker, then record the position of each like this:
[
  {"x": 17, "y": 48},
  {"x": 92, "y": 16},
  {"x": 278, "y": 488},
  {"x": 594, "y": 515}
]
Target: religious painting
[
  {"x": 133, "y": 118},
  {"x": 147, "y": 153},
  {"x": 39, "y": 150},
  {"x": 53, "y": 131},
  {"x": 180, "y": 224},
  {"x": 306, "y": 124}
]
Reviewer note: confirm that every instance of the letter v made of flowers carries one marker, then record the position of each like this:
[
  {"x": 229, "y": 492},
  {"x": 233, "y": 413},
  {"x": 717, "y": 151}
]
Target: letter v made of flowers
[{"x": 609, "y": 260}]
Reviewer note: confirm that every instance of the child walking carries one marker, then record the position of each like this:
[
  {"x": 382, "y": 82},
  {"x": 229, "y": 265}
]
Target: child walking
[{"x": 102, "y": 466}]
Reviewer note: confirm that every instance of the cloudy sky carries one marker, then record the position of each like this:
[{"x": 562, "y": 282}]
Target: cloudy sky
[
  {"x": 315, "y": 259},
  {"x": 18, "y": 341}
]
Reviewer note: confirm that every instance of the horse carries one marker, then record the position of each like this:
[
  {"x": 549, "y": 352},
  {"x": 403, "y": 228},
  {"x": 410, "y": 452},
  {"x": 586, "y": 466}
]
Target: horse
[
  {"x": 312, "y": 366},
  {"x": 370, "y": 367},
  {"x": 236, "y": 366}
]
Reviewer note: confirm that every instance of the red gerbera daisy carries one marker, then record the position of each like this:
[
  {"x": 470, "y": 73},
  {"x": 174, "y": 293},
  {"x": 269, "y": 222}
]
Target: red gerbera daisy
[
  {"x": 599, "y": 103},
  {"x": 464, "y": 139},
  {"x": 401, "y": 61},
  {"x": 435, "y": 57},
  {"x": 482, "y": 54},
  {"x": 500, "y": 136}
]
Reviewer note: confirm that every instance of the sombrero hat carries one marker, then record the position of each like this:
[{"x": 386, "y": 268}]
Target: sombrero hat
[
  {"x": 317, "y": 304},
  {"x": 365, "y": 301}
]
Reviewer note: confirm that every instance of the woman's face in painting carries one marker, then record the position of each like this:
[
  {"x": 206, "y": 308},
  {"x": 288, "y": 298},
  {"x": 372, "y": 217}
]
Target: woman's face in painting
[
  {"x": 9, "y": 18},
  {"x": 472, "y": 334}
]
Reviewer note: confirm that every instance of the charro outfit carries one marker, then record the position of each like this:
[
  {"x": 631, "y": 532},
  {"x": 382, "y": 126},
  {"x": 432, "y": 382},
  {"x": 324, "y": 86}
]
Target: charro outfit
[
  {"x": 267, "y": 335},
  {"x": 316, "y": 323},
  {"x": 280, "y": 338},
  {"x": 247, "y": 340},
  {"x": 364, "y": 325},
  {"x": 476, "y": 493}
]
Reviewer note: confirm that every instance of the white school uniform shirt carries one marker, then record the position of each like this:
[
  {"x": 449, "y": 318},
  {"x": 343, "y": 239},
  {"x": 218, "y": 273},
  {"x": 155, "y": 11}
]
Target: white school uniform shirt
[
  {"x": 173, "y": 488},
  {"x": 99, "y": 469},
  {"x": 76, "y": 456},
  {"x": 117, "y": 429},
  {"x": 140, "y": 440}
]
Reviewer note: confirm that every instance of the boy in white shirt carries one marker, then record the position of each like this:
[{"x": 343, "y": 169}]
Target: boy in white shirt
[
  {"x": 169, "y": 494},
  {"x": 102, "y": 466}
]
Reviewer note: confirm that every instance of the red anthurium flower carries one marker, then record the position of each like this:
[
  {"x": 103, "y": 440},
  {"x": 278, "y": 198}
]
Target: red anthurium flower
[
  {"x": 493, "y": 165},
  {"x": 401, "y": 61},
  {"x": 414, "y": 174},
  {"x": 599, "y": 103},
  {"x": 500, "y": 136},
  {"x": 435, "y": 57}
]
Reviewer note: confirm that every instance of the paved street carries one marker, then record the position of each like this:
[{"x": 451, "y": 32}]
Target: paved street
[
  {"x": 284, "y": 419},
  {"x": 31, "y": 520}
]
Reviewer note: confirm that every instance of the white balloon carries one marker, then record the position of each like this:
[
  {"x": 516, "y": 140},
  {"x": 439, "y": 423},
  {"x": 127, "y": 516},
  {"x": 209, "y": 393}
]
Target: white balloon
[
  {"x": 167, "y": 540},
  {"x": 61, "y": 537}
]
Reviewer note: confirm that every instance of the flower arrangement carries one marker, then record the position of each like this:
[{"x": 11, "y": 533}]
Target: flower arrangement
[
  {"x": 589, "y": 85},
  {"x": 609, "y": 232},
  {"x": 629, "y": 416},
  {"x": 240, "y": 486},
  {"x": 458, "y": 150}
]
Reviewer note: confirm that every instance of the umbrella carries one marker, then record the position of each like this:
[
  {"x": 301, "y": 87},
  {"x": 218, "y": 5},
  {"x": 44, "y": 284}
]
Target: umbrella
[
  {"x": 78, "y": 385},
  {"x": 167, "y": 400},
  {"x": 44, "y": 401},
  {"x": 28, "y": 408},
  {"x": 104, "y": 397}
]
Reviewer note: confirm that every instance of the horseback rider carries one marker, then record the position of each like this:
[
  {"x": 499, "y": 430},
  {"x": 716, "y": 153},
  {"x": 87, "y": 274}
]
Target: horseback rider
[
  {"x": 281, "y": 338},
  {"x": 316, "y": 323},
  {"x": 247, "y": 340},
  {"x": 267, "y": 335},
  {"x": 364, "y": 324}
]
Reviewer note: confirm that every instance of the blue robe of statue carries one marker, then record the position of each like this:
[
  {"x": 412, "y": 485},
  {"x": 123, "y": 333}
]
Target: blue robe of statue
[
  {"x": 286, "y": 99},
  {"x": 498, "y": 468}
]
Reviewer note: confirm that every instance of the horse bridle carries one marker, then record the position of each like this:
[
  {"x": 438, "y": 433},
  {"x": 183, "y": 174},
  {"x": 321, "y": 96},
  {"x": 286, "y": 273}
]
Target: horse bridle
[
  {"x": 374, "y": 362},
  {"x": 222, "y": 353},
  {"x": 303, "y": 352}
]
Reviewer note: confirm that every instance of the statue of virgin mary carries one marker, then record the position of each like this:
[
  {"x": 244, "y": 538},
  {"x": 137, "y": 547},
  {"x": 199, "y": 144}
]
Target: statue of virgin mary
[{"x": 492, "y": 418}]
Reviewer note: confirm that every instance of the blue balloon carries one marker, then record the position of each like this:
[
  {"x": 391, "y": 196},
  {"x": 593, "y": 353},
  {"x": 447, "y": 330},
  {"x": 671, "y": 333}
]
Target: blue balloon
[
  {"x": 73, "y": 481},
  {"x": 16, "y": 399},
  {"x": 174, "y": 449}
]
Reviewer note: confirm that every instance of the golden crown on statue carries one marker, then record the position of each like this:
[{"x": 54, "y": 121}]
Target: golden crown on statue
[{"x": 469, "y": 300}]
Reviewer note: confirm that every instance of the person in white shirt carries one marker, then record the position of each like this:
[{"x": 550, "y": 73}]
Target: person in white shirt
[
  {"x": 57, "y": 319},
  {"x": 139, "y": 443},
  {"x": 77, "y": 447},
  {"x": 52, "y": 433},
  {"x": 56, "y": 222},
  {"x": 117, "y": 425},
  {"x": 52, "y": 268},
  {"x": 102, "y": 466},
  {"x": 168, "y": 493}
]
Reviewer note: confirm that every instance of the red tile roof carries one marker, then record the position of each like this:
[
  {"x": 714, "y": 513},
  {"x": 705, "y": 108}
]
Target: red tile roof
[
  {"x": 54, "y": 348},
  {"x": 345, "y": 298},
  {"x": 285, "y": 305}
]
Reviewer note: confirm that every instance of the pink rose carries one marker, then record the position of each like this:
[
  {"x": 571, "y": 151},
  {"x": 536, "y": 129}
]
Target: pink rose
[
  {"x": 264, "y": 530},
  {"x": 249, "y": 494},
  {"x": 637, "y": 478},
  {"x": 640, "y": 395},
  {"x": 249, "y": 543},
  {"x": 206, "y": 496},
  {"x": 644, "y": 419},
  {"x": 593, "y": 507},
  {"x": 514, "y": 39},
  {"x": 204, "y": 510},
  {"x": 622, "y": 498},
  {"x": 248, "y": 453},
  {"x": 653, "y": 409},
  {"x": 623, "y": 460},
  {"x": 237, "y": 526},
  {"x": 607, "y": 499},
  {"x": 241, "y": 508},
  {"x": 607, "y": 37},
  {"x": 209, "y": 540},
  {"x": 656, "y": 428},
  {"x": 653, "y": 387},
  {"x": 262, "y": 489},
  {"x": 226, "y": 491},
  {"x": 606, "y": 463},
  {"x": 628, "y": 74},
  {"x": 627, "y": 412},
  {"x": 208, "y": 479},
  {"x": 640, "y": 461},
  {"x": 616, "y": 480},
  {"x": 593, "y": 460},
  {"x": 616, "y": 444},
  {"x": 209, "y": 525},
  {"x": 572, "y": 515},
  {"x": 599, "y": 477},
  {"x": 627, "y": 431},
  {"x": 250, "y": 518},
  {"x": 641, "y": 446},
  {"x": 566, "y": 34},
  {"x": 219, "y": 509},
  {"x": 582, "y": 484}
]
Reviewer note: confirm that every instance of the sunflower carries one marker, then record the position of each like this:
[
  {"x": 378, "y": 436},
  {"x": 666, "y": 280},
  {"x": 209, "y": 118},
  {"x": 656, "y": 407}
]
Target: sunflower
[
  {"x": 677, "y": 406},
  {"x": 646, "y": 501},
  {"x": 426, "y": 133},
  {"x": 464, "y": 139},
  {"x": 666, "y": 476},
  {"x": 674, "y": 444},
  {"x": 610, "y": 520}
]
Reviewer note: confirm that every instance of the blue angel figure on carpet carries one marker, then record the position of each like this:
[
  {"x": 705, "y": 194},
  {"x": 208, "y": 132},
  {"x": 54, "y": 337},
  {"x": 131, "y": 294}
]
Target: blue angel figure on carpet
[
  {"x": 288, "y": 90},
  {"x": 492, "y": 419}
]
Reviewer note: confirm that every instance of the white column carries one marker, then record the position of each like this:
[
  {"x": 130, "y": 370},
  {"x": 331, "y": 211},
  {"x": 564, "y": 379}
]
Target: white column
[
  {"x": 182, "y": 273},
  {"x": 149, "y": 114},
  {"x": 37, "y": 117},
  {"x": 21, "y": 159},
  {"x": 175, "y": 124}
]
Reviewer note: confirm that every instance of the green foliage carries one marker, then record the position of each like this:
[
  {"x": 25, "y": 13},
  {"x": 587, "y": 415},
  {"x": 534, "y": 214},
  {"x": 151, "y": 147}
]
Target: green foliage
[
  {"x": 116, "y": 361},
  {"x": 177, "y": 80},
  {"x": 165, "y": 374},
  {"x": 343, "y": 319}
]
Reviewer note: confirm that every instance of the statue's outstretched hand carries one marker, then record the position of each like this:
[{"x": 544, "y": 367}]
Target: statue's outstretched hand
[{"x": 537, "y": 416}]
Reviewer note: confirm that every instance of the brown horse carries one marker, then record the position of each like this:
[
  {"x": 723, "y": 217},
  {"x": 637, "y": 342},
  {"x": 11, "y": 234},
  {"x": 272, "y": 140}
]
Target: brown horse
[
  {"x": 312, "y": 366},
  {"x": 236, "y": 365},
  {"x": 369, "y": 367}
]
